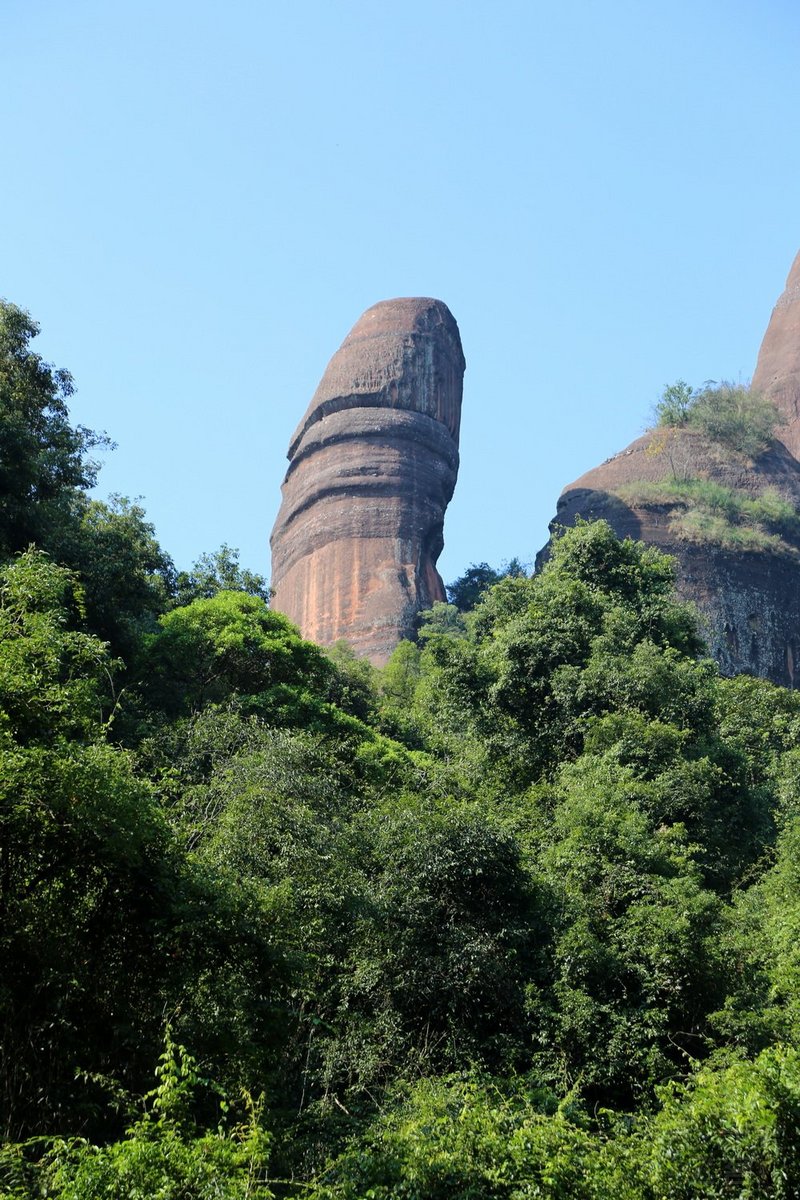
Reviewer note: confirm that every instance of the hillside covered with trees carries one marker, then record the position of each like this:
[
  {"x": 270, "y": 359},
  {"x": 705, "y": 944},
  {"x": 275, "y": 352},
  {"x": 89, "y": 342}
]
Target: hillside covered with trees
[{"x": 515, "y": 916}]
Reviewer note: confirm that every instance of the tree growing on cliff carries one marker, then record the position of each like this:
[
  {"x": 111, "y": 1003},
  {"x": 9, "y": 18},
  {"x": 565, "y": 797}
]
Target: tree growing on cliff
[{"x": 675, "y": 404}]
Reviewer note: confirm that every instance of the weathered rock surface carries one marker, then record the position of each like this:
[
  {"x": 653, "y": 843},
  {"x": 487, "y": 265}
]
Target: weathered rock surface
[
  {"x": 777, "y": 372},
  {"x": 749, "y": 599},
  {"x": 372, "y": 468}
]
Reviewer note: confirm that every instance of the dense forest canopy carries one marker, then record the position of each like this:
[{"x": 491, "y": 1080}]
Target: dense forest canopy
[{"x": 515, "y": 916}]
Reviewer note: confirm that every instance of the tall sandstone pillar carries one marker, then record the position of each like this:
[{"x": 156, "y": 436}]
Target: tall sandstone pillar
[{"x": 372, "y": 468}]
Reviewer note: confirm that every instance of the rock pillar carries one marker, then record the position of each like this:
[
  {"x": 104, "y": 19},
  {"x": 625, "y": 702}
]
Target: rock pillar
[{"x": 372, "y": 468}]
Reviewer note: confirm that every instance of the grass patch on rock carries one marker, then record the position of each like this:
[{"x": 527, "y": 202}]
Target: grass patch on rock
[{"x": 710, "y": 512}]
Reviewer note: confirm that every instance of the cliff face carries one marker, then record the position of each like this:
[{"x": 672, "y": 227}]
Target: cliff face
[
  {"x": 777, "y": 372},
  {"x": 372, "y": 467},
  {"x": 748, "y": 594}
]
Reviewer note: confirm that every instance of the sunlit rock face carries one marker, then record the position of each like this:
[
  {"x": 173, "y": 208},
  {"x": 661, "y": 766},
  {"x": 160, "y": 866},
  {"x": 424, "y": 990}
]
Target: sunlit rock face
[
  {"x": 777, "y": 372},
  {"x": 372, "y": 468},
  {"x": 749, "y": 600}
]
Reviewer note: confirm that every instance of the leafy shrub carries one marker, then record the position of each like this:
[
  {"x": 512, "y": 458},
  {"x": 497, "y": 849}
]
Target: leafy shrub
[
  {"x": 727, "y": 1135},
  {"x": 164, "y": 1153},
  {"x": 675, "y": 404},
  {"x": 728, "y": 413},
  {"x": 730, "y": 1133},
  {"x": 451, "y": 1139},
  {"x": 736, "y": 417}
]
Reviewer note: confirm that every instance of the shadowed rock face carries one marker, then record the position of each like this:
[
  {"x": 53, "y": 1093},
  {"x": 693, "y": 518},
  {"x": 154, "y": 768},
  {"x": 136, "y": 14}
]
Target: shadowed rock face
[
  {"x": 372, "y": 468},
  {"x": 749, "y": 600}
]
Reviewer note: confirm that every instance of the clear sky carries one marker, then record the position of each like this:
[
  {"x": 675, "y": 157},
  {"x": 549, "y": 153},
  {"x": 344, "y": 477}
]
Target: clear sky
[{"x": 201, "y": 198}]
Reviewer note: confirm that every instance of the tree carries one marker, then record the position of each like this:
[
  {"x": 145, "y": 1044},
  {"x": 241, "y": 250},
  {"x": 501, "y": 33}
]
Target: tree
[
  {"x": 675, "y": 404},
  {"x": 230, "y": 644},
  {"x": 468, "y": 589},
  {"x": 218, "y": 572},
  {"x": 43, "y": 459},
  {"x": 634, "y": 977},
  {"x": 56, "y": 681},
  {"x": 522, "y": 682},
  {"x": 127, "y": 579},
  {"x": 104, "y": 925}
]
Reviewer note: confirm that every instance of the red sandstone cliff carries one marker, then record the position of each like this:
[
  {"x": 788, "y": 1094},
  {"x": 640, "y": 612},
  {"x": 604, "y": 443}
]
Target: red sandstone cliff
[
  {"x": 372, "y": 467},
  {"x": 749, "y": 599},
  {"x": 777, "y": 373}
]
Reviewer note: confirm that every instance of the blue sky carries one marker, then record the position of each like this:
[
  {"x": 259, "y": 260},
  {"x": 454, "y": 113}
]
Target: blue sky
[{"x": 200, "y": 200}]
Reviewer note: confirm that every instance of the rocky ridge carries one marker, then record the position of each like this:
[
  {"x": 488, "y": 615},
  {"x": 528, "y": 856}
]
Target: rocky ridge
[{"x": 748, "y": 595}]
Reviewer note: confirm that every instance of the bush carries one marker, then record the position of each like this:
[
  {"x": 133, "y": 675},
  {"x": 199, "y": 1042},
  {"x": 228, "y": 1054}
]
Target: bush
[
  {"x": 731, "y": 414},
  {"x": 164, "y": 1153},
  {"x": 726, "y": 1135},
  {"x": 675, "y": 404},
  {"x": 730, "y": 1133},
  {"x": 728, "y": 413}
]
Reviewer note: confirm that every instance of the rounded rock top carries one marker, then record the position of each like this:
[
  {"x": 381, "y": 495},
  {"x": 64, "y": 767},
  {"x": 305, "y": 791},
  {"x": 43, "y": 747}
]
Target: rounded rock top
[
  {"x": 404, "y": 315},
  {"x": 401, "y": 353}
]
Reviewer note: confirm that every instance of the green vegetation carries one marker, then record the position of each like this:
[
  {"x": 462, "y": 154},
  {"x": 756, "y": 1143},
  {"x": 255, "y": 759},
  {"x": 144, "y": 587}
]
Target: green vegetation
[
  {"x": 711, "y": 512},
  {"x": 515, "y": 916},
  {"x": 467, "y": 590},
  {"x": 730, "y": 414},
  {"x": 741, "y": 424}
]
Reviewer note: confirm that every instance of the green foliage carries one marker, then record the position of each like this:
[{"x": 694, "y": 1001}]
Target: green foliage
[
  {"x": 43, "y": 460},
  {"x": 397, "y": 683},
  {"x": 729, "y": 1134},
  {"x": 105, "y": 927},
  {"x": 455, "y": 1139},
  {"x": 730, "y": 414},
  {"x": 440, "y": 619},
  {"x": 231, "y": 644},
  {"x": 102, "y": 921},
  {"x": 675, "y": 404},
  {"x": 470, "y": 587},
  {"x": 400, "y": 676},
  {"x": 164, "y": 1153},
  {"x": 449, "y": 928},
  {"x": 735, "y": 417},
  {"x": 388, "y": 903},
  {"x": 353, "y": 685},
  {"x": 55, "y": 680},
  {"x": 546, "y": 841},
  {"x": 126, "y": 578},
  {"x": 527, "y": 680},
  {"x": 731, "y": 517},
  {"x": 633, "y": 953},
  {"x": 218, "y": 572}
]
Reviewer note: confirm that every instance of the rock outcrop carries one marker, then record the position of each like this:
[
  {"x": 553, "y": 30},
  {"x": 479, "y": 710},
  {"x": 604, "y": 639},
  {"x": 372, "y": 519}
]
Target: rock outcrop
[
  {"x": 748, "y": 594},
  {"x": 372, "y": 468},
  {"x": 777, "y": 373}
]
